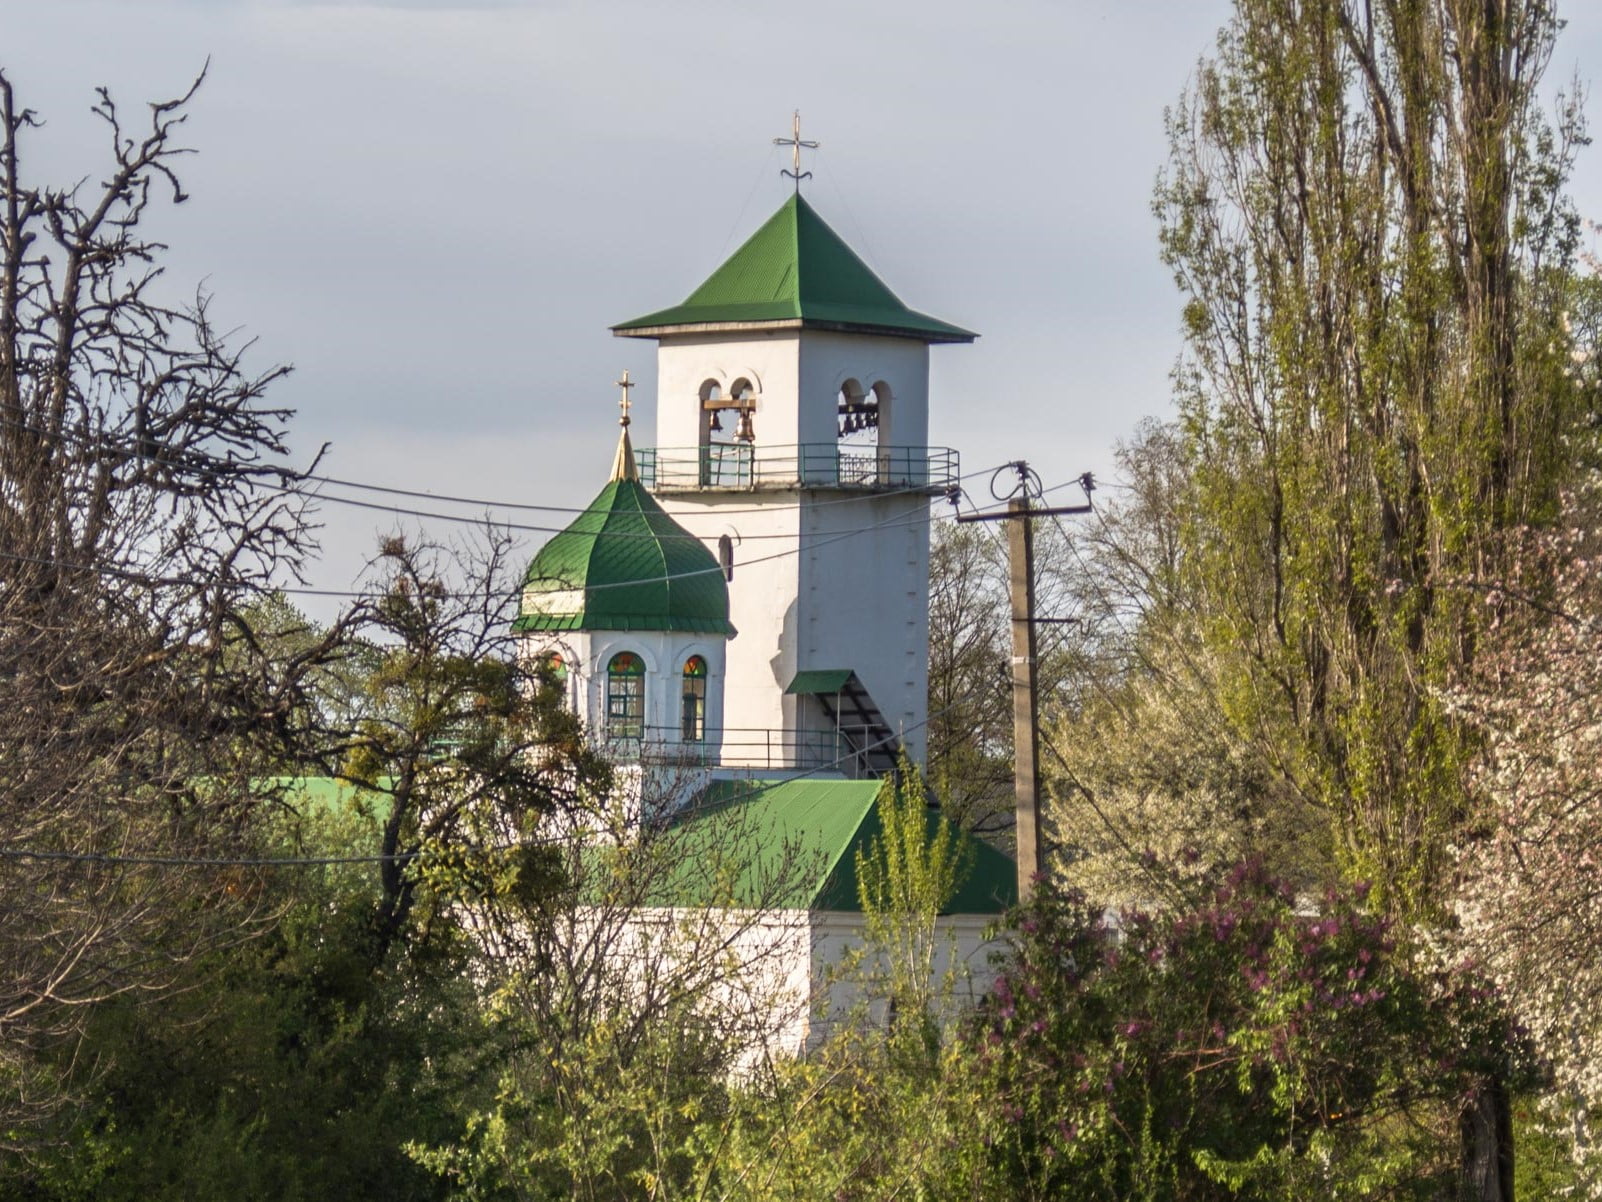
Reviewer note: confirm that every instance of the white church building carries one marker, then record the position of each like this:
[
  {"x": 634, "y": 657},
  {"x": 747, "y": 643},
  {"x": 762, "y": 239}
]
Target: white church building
[{"x": 747, "y": 600}]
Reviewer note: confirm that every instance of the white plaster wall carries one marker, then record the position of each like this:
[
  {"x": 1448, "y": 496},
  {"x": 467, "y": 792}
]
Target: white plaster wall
[
  {"x": 765, "y": 529},
  {"x": 864, "y": 602},
  {"x": 752, "y": 969},
  {"x": 829, "y": 359},
  {"x": 586, "y": 654},
  {"x": 790, "y": 977},
  {"x": 770, "y": 360},
  {"x": 963, "y": 972},
  {"x": 803, "y": 596}
]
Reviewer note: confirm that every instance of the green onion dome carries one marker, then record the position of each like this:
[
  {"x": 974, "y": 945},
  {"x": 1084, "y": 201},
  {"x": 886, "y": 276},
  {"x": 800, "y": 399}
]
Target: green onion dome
[{"x": 624, "y": 564}]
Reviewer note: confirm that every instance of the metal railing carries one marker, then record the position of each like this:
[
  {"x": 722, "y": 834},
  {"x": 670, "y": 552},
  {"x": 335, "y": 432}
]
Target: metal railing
[
  {"x": 740, "y": 466},
  {"x": 753, "y": 747}
]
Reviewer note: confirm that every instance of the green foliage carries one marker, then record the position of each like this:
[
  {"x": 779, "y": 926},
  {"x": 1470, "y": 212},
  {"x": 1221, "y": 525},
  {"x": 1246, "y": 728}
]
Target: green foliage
[
  {"x": 1364, "y": 210},
  {"x": 468, "y": 746},
  {"x": 970, "y": 696},
  {"x": 289, "y": 1067},
  {"x": 887, "y": 1103},
  {"x": 911, "y": 870},
  {"x": 631, "y": 1001},
  {"x": 1240, "y": 1048}
]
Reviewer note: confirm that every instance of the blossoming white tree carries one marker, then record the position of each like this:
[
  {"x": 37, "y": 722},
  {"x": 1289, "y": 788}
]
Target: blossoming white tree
[{"x": 1531, "y": 889}]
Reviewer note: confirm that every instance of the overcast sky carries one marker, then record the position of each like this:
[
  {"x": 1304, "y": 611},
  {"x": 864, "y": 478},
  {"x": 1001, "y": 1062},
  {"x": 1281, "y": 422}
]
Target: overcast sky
[{"x": 434, "y": 210}]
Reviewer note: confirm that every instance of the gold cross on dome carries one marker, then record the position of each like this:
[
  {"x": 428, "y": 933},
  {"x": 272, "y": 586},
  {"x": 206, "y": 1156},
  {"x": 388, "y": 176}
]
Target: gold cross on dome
[
  {"x": 623, "y": 402},
  {"x": 796, "y": 145}
]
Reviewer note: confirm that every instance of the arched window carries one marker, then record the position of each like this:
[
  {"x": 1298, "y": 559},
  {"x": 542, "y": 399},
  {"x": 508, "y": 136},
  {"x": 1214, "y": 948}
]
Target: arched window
[
  {"x": 625, "y": 696},
  {"x": 692, "y": 721},
  {"x": 553, "y": 664}
]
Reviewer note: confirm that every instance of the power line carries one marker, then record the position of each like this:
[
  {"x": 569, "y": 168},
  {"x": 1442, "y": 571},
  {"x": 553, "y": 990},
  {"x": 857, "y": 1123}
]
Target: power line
[
  {"x": 529, "y": 528},
  {"x": 143, "y": 861},
  {"x": 136, "y": 576},
  {"x": 206, "y": 467},
  {"x": 306, "y": 591}
]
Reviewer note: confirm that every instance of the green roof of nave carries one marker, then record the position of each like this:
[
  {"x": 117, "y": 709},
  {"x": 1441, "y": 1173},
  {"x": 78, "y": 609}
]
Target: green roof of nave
[
  {"x": 795, "y": 270},
  {"x": 805, "y": 836},
  {"x": 624, "y": 564},
  {"x": 784, "y": 844}
]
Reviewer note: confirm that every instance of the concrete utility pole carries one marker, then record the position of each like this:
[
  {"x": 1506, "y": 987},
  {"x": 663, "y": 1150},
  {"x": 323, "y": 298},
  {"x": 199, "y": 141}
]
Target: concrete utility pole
[
  {"x": 1025, "y": 695},
  {"x": 1019, "y": 516}
]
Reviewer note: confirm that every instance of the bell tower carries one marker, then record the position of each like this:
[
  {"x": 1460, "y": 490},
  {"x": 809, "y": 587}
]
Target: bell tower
[{"x": 792, "y": 438}]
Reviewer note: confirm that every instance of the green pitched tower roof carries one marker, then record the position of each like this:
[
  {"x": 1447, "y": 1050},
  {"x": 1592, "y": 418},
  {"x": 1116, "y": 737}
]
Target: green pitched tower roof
[
  {"x": 795, "y": 272},
  {"x": 624, "y": 564}
]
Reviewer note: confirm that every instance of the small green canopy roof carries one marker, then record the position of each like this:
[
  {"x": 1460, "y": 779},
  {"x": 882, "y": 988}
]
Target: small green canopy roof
[
  {"x": 820, "y": 680},
  {"x": 795, "y": 272},
  {"x": 624, "y": 564}
]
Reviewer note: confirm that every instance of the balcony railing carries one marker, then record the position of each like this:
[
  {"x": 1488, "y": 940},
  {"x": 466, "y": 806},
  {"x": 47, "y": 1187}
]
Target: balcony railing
[
  {"x": 845, "y": 750},
  {"x": 751, "y": 467}
]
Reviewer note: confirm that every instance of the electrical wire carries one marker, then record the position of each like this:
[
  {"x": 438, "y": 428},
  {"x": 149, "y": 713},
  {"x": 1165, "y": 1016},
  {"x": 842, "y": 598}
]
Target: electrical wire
[
  {"x": 143, "y": 861},
  {"x": 894, "y": 522},
  {"x": 204, "y": 467},
  {"x": 528, "y": 528},
  {"x": 480, "y": 503}
]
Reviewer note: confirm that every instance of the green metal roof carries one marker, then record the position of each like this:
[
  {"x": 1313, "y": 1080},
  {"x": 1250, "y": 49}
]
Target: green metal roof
[
  {"x": 810, "y": 832},
  {"x": 786, "y": 844},
  {"x": 822, "y": 680},
  {"x": 796, "y": 271},
  {"x": 624, "y": 564}
]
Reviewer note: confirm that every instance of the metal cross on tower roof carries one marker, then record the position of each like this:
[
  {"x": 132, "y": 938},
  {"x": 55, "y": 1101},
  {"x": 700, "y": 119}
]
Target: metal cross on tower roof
[
  {"x": 623, "y": 401},
  {"x": 796, "y": 146}
]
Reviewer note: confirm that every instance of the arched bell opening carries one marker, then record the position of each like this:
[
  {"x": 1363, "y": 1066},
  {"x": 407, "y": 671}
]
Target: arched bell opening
[
  {"x": 712, "y": 407},
  {"x": 728, "y": 431},
  {"x": 859, "y": 416}
]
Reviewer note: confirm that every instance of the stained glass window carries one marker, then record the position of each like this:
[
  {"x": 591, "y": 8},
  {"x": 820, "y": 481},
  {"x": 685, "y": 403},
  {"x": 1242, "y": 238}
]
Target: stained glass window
[
  {"x": 625, "y": 696},
  {"x": 693, "y": 715}
]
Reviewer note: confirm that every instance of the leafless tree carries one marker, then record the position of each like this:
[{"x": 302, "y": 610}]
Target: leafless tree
[{"x": 141, "y": 504}]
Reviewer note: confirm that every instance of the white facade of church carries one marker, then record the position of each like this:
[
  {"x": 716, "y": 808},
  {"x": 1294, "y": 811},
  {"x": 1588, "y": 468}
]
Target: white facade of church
[
  {"x": 741, "y": 616},
  {"x": 830, "y": 540},
  {"x": 792, "y": 446}
]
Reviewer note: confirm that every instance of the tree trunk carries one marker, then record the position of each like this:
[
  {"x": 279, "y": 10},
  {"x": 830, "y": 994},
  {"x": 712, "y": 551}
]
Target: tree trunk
[{"x": 1485, "y": 1127}]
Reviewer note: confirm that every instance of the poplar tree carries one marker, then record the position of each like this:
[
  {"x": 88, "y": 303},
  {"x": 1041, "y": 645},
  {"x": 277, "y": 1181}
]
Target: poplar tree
[{"x": 1364, "y": 210}]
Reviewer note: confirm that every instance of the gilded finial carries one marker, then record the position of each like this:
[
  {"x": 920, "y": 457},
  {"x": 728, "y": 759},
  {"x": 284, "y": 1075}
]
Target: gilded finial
[
  {"x": 623, "y": 402},
  {"x": 623, "y": 466}
]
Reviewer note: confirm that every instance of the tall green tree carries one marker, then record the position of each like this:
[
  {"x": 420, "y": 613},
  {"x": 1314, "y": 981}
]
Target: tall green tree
[{"x": 1364, "y": 210}]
